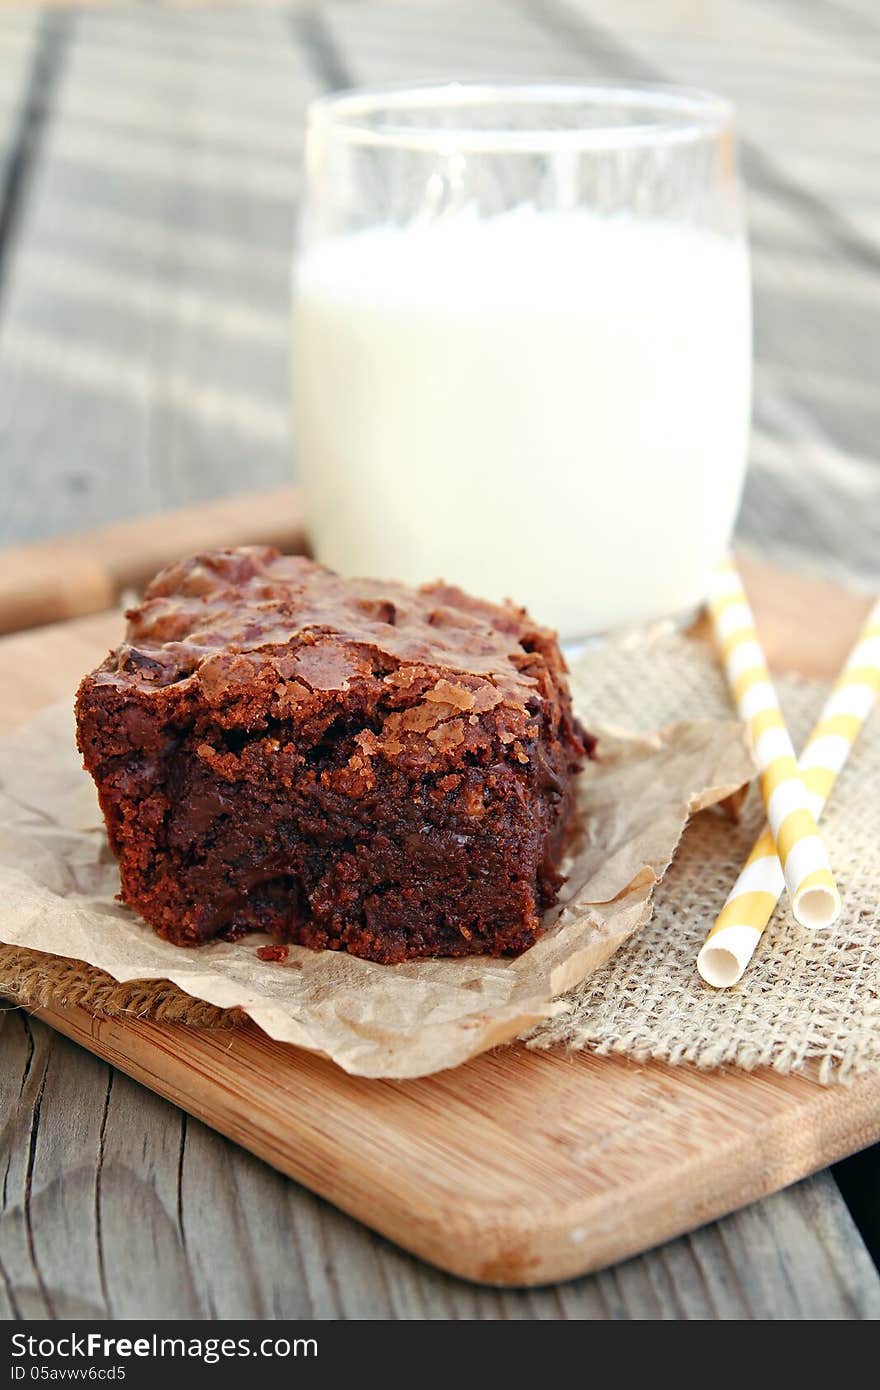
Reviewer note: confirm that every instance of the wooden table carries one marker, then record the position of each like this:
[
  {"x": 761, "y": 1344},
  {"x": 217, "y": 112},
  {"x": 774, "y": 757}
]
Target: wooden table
[{"x": 148, "y": 167}]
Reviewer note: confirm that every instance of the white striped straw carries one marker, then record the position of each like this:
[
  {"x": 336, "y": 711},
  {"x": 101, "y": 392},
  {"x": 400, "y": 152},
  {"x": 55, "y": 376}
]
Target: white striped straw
[
  {"x": 814, "y": 897},
  {"x": 752, "y": 901}
]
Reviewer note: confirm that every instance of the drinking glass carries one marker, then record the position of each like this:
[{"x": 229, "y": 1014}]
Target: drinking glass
[{"x": 522, "y": 343}]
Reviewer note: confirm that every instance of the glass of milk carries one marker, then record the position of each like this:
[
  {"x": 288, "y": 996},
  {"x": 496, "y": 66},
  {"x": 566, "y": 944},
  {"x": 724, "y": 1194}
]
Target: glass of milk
[{"x": 522, "y": 343}]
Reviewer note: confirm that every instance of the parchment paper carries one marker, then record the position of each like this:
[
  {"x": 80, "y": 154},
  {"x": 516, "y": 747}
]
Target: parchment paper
[{"x": 58, "y": 883}]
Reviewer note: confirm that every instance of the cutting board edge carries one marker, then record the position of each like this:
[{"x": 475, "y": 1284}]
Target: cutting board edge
[
  {"x": 542, "y": 1244},
  {"x": 540, "y": 1252}
]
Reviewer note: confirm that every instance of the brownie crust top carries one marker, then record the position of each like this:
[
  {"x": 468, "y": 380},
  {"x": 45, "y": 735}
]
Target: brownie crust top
[{"x": 253, "y": 605}]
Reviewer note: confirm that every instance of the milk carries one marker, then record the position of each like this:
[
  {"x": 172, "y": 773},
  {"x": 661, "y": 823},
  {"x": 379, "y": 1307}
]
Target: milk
[{"x": 547, "y": 406}]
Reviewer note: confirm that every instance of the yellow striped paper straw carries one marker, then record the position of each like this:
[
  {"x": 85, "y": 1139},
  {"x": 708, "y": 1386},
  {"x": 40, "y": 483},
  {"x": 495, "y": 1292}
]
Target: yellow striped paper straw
[
  {"x": 751, "y": 902},
  {"x": 814, "y": 897}
]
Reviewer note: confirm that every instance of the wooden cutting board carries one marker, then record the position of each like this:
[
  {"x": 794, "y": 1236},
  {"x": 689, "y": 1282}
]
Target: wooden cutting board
[{"x": 518, "y": 1168}]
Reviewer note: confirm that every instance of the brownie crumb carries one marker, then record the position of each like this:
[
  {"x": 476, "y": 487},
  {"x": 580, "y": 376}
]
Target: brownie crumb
[{"x": 278, "y": 953}]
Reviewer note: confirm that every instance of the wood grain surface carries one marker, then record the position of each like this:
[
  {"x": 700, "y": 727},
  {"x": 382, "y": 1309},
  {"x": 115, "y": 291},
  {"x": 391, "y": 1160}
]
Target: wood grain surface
[
  {"x": 68, "y": 576},
  {"x": 148, "y": 160},
  {"x": 146, "y": 291},
  {"x": 117, "y": 1204},
  {"x": 519, "y": 1168}
]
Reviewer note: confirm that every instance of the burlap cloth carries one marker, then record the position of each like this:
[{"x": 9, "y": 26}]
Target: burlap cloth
[{"x": 806, "y": 997}]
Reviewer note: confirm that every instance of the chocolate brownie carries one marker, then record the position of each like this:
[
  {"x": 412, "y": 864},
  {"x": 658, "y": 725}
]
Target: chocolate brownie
[{"x": 342, "y": 763}]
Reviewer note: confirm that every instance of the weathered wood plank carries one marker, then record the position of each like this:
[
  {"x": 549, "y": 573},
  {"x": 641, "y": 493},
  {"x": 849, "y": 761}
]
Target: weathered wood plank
[
  {"x": 179, "y": 253},
  {"x": 435, "y": 40},
  {"x": 19, "y": 96},
  {"x": 140, "y": 302},
  {"x": 140, "y": 1207},
  {"x": 117, "y": 1206},
  {"x": 48, "y": 1200},
  {"x": 148, "y": 299}
]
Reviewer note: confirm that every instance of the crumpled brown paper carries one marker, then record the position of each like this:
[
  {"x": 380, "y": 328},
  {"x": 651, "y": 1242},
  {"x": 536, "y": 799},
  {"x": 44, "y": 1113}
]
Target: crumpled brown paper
[{"x": 58, "y": 882}]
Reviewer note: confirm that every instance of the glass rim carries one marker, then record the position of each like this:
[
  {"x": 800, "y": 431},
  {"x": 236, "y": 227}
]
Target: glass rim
[{"x": 686, "y": 114}]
